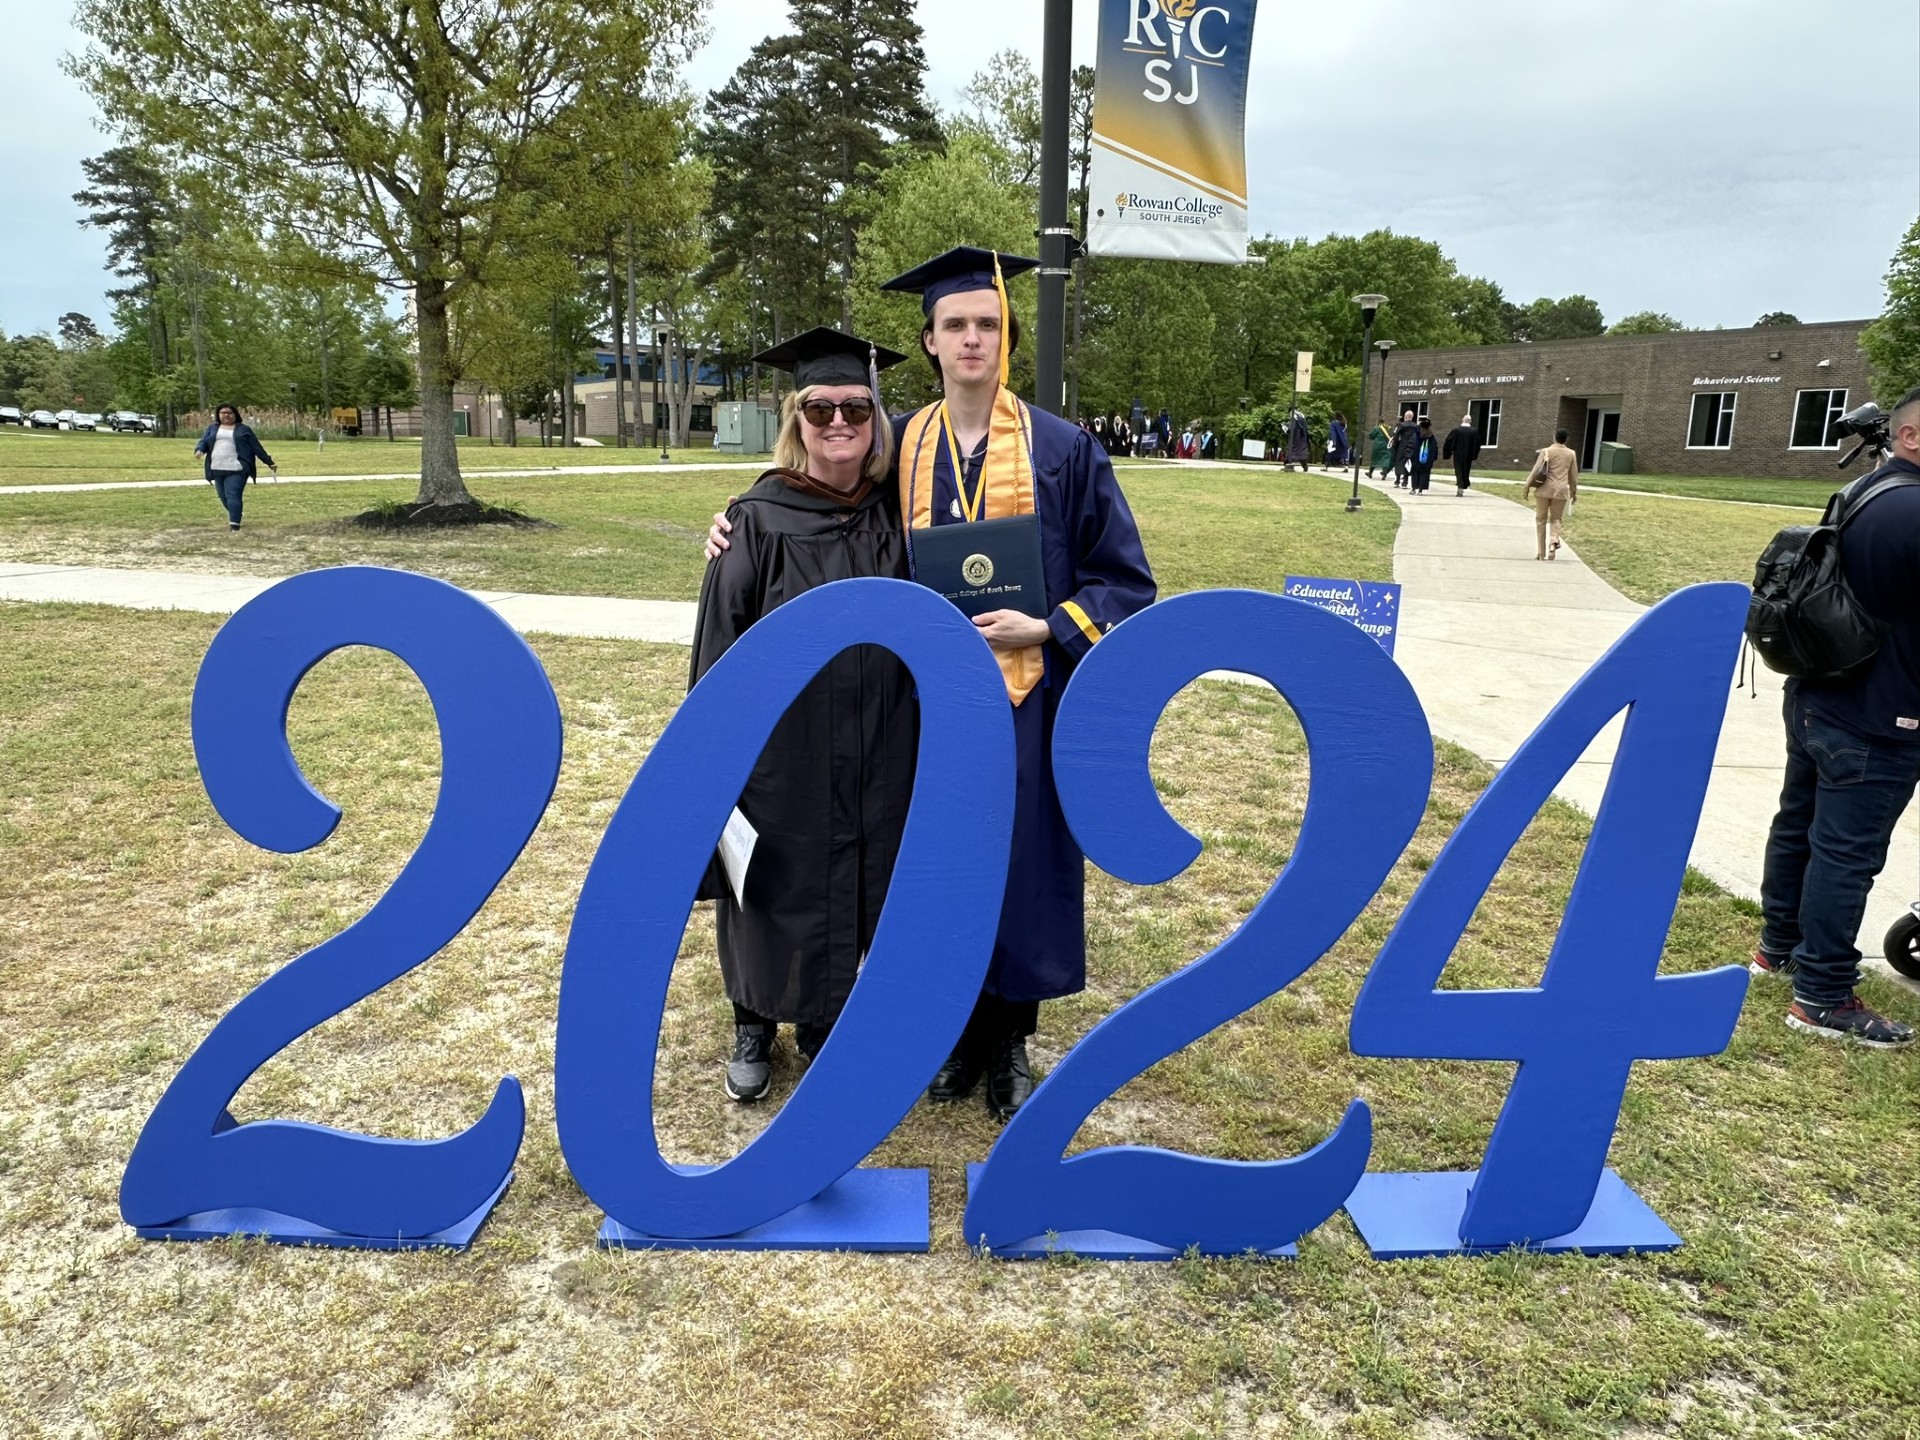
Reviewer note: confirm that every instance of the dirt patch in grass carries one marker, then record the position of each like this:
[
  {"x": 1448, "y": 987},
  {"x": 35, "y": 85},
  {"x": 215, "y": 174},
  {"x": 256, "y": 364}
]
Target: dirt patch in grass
[
  {"x": 131, "y": 919},
  {"x": 413, "y": 515}
]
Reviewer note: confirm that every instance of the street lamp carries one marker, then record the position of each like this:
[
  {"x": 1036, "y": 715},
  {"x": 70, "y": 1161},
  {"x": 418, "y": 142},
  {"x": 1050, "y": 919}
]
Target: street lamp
[
  {"x": 293, "y": 404},
  {"x": 1369, "y": 307}
]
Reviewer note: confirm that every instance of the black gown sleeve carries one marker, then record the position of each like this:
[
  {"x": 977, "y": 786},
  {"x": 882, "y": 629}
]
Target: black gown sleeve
[
  {"x": 730, "y": 595},
  {"x": 730, "y": 601}
]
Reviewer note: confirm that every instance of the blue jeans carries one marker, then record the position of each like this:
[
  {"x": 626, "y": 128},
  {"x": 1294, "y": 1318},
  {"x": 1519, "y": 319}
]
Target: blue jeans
[
  {"x": 1843, "y": 795},
  {"x": 230, "y": 484}
]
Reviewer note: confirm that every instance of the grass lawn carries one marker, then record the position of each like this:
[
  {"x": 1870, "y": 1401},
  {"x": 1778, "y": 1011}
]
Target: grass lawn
[
  {"x": 1648, "y": 548},
  {"x": 641, "y": 535},
  {"x": 1752, "y": 491},
  {"x": 131, "y": 919},
  {"x": 84, "y": 457}
]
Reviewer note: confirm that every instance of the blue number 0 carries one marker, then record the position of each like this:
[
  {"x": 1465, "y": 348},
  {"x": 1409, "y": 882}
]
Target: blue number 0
[
  {"x": 929, "y": 953},
  {"x": 1372, "y": 763},
  {"x": 500, "y": 746}
]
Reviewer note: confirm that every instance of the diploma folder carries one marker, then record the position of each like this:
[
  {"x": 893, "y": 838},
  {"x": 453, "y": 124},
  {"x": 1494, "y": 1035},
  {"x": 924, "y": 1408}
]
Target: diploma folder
[{"x": 986, "y": 565}]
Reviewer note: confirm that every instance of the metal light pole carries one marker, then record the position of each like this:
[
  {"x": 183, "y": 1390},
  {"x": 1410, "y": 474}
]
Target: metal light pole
[
  {"x": 293, "y": 404},
  {"x": 1369, "y": 307},
  {"x": 1056, "y": 260},
  {"x": 666, "y": 349}
]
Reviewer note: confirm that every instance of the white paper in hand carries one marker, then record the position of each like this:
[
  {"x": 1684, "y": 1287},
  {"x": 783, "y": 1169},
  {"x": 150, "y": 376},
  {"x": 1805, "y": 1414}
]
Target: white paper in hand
[{"x": 736, "y": 853}]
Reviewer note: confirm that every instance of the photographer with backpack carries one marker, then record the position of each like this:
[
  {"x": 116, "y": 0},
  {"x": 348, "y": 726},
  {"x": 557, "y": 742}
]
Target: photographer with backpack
[{"x": 1853, "y": 737}]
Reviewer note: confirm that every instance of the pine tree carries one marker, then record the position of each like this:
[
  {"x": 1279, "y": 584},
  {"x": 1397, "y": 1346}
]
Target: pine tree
[{"x": 796, "y": 139}]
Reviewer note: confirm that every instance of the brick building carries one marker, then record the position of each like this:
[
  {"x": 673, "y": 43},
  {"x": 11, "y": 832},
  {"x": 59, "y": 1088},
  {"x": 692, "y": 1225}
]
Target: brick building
[{"x": 1711, "y": 402}]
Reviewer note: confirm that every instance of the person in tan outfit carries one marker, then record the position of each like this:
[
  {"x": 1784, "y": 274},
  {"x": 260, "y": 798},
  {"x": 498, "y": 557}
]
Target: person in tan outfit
[{"x": 1553, "y": 485}]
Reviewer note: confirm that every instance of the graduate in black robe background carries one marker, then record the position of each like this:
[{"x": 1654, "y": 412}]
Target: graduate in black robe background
[{"x": 830, "y": 792}]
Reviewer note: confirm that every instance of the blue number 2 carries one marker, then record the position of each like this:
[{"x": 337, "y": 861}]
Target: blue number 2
[
  {"x": 500, "y": 744},
  {"x": 1372, "y": 763}
]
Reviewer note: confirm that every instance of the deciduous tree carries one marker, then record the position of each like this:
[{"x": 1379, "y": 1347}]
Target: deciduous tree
[{"x": 393, "y": 133}]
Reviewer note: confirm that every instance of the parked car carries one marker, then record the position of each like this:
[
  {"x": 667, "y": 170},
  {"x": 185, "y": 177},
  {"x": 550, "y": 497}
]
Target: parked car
[
  {"x": 43, "y": 420},
  {"x": 64, "y": 418},
  {"x": 119, "y": 421},
  {"x": 150, "y": 424},
  {"x": 10, "y": 415},
  {"x": 87, "y": 420}
]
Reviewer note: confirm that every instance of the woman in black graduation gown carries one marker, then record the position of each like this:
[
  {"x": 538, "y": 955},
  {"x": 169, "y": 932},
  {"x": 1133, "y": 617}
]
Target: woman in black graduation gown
[{"x": 830, "y": 791}]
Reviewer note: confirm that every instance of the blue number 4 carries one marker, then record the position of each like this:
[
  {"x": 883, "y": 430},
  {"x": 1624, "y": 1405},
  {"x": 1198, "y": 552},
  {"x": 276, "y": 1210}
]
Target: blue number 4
[{"x": 1601, "y": 1004}]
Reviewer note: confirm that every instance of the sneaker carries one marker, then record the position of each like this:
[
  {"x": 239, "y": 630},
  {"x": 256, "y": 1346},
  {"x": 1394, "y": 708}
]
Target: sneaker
[
  {"x": 750, "y": 1070},
  {"x": 1765, "y": 964},
  {"x": 808, "y": 1039},
  {"x": 1849, "y": 1020}
]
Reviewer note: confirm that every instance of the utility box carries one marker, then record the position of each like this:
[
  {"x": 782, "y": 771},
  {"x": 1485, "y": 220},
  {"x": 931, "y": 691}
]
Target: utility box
[
  {"x": 741, "y": 427},
  {"x": 1615, "y": 458}
]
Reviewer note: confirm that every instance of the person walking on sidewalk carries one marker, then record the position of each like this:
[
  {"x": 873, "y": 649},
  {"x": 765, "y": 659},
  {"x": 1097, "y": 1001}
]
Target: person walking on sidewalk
[
  {"x": 1406, "y": 440},
  {"x": 1553, "y": 485},
  {"x": 233, "y": 454},
  {"x": 1426, "y": 450},
  {"x": 1853, "y": 759},
  {"x": 1379, "y": 450},
  {"x": 1463, "y": 448}
]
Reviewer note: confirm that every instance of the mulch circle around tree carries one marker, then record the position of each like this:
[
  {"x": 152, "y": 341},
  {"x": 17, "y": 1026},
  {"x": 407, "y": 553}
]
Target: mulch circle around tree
[{"x": 415, "y": 516}]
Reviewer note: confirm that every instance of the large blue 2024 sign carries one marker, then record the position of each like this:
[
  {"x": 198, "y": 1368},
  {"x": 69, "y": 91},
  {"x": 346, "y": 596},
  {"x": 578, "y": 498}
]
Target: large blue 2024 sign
[{"x": 1601, "y": 1005}]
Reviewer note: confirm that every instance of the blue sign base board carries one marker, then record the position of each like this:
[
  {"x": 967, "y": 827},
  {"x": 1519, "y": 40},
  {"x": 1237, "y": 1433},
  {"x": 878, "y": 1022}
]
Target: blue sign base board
[
  {"x": 1095, "y": 1244},
  {"x": 278, "y": 1229},
  {"x": 1417, "y": 1216},
  {"x": 874, "y": 1211}
]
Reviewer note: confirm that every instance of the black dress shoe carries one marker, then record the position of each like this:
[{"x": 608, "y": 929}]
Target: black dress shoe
[
  {"x": 808, "y": 1039},
  {"x": 1009, "y": 1078},
  {"x": 958, "y": 1076}
]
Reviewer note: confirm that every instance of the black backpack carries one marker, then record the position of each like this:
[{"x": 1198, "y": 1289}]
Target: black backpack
[{"x": 1803, "y": 620}]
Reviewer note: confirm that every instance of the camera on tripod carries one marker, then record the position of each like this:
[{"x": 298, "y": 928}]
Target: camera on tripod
[{"x": 1869, "y": 423}]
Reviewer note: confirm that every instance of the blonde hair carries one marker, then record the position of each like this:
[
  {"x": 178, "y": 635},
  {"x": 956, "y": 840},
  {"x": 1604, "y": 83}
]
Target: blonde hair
[{"x": 790, "y": 450}]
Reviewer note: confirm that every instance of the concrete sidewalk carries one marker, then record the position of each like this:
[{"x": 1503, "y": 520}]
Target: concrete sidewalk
[
  {"x": 663, "y": 622},
  {"x": 1492, "y": 638},
  {"x": 411, "y": 476}
]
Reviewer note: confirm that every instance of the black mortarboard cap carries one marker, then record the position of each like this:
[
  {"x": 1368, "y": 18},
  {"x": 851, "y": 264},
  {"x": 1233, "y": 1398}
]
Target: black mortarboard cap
[
  {"x": 958, "y": 272},
  {"x": 829, "y": 357}
]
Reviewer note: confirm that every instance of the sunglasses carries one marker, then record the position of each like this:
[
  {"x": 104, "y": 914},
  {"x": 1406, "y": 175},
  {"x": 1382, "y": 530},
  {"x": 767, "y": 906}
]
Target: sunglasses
[{"x": 819, "y": 413}]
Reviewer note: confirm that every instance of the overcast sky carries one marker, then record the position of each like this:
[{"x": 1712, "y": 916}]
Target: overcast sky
[{"x": 1714, "y": 159}]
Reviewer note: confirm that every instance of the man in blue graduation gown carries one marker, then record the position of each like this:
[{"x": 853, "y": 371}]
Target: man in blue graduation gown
[{"x": 1014, "y": 460}]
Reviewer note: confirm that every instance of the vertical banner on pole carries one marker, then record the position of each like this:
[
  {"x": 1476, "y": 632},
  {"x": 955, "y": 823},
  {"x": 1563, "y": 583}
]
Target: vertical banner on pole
[
  {"x": 1303, "y": 372},
  {"x": 1169, "y": 174}
]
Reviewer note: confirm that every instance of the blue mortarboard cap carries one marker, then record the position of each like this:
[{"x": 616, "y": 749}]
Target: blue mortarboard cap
[{"x": 958, "y": 272}]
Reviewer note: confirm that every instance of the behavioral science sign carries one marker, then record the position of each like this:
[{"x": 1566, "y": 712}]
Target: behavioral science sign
[{"x": 1169, "y": 175}]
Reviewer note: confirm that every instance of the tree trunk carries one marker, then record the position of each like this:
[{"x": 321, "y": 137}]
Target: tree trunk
[
  {"x": 440, "y": 482},
  {"x": 566, "y": 411},
  {"x": 619, "y": 351}
]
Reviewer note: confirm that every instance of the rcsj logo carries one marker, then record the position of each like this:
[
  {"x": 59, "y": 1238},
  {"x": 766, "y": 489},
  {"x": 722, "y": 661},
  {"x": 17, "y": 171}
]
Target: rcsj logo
[{"x": 1187, "y": 30}]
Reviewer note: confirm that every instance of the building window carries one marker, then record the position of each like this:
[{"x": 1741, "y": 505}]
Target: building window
[
  {"x": 1712, "y": 424},
  {"x": 1486, "y": 420},
  {"x": 1418, "y": 407},
  {"x": 702, "y": 417},
  {"x": 1814, "y": 414}
]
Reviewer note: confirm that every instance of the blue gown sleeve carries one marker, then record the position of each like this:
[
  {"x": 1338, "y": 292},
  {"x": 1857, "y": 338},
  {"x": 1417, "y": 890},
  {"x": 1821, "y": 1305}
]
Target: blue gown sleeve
[{"x": 1111, "y": 576}]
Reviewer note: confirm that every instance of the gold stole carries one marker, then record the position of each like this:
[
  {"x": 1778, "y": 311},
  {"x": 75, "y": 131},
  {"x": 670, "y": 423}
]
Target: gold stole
[{"x": 1006, "y": 478}]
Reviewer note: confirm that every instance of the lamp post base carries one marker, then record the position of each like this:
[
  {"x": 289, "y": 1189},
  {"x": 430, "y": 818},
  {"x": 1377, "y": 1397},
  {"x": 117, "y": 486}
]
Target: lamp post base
[{"x": 1353, "y": 504}]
